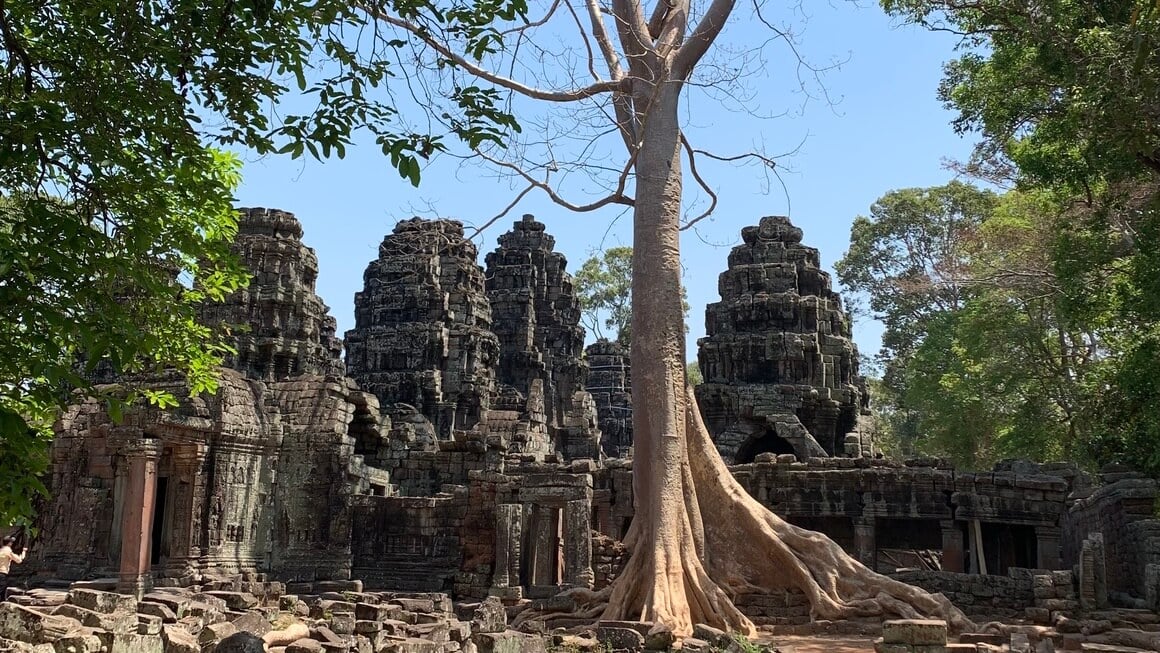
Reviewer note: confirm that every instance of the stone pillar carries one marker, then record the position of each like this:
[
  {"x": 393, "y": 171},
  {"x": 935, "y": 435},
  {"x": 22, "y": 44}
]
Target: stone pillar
[
  {"x": 865, "y": 546},
  {"x": 1093, "y": 580},
  {"x": 578, "y": 544},
  {"x": 952, "y": 546},
  {"x": 1047, "y": 547},
  {"x": 508, "y": 532},
  {"x": 141, "y": 456}
]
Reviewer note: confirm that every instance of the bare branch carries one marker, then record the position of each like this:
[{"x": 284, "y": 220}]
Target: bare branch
[
  {"x": 616, "y": 197},
  {"x": 587, "y": 43},
  {"x": 537, "y": 23},
  {"x": 701, "y": 182},
  {"x": 600, "y": 33},
  {"x": 499, "y": 80},
  {"x": 634, "y": 36},
  {"x": 501, "y": 214}
]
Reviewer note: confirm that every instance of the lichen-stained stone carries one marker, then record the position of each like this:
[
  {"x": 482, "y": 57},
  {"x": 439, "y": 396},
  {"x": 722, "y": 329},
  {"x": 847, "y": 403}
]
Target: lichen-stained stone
[
  {"x": 780, "y": 370},
  {"x": 422, "y": 333}
]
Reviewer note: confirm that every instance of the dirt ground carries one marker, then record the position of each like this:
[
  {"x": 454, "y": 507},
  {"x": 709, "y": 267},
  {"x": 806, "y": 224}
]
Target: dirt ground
[{"x": 817, "y": 643}]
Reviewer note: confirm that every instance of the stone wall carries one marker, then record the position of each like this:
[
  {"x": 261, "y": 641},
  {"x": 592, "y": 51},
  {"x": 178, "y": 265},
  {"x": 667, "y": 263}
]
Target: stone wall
[
  {"x": 780, "y": 370},
  {"x": 1124, "y": 512},
  {"x": 409, "y": 543}
]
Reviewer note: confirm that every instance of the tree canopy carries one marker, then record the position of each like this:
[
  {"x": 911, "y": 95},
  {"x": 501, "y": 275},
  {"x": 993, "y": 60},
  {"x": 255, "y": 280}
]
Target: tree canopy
[
  {"x": 1047, "y": 354},
  {"x": 116, "y": 193}
]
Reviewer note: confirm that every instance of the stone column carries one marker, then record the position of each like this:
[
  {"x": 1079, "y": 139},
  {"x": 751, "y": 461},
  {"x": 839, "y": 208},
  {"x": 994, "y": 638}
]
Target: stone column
[
  {"x": 578, "y": 544},
  {"x": 141, "y": 456},
  {"x": 508, "y": 532},
  {"x": 1047, "y": 547},
  {"x": 865, "y": 546},
  {"x": 952, "y": 546}
]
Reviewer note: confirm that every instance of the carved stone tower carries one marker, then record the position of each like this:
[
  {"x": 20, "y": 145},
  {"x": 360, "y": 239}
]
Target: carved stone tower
[
  {"x": 422, "y": 333},
  {"x": 780, "y": 370},
  {"x": 536, "y": 317},
  {"x": 286, "y": 330}
]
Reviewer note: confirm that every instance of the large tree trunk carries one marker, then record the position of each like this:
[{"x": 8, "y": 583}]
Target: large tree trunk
[{"x": 697, "y": 538}]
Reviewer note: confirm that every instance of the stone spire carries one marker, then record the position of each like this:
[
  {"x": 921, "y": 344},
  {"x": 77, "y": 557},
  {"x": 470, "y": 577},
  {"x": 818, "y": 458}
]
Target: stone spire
[
  {"x": 422, "y": 333},
  {"x": 286, "y": 329},
  {"x": 536, "y": 317},
  {"x": 780, "y": 370}
]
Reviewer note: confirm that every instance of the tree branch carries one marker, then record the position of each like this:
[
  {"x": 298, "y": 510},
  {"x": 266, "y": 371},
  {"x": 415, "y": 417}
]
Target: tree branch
[
  {"x": 616, "y": 197},
  {"x": 701, "y": 182},
  {"x": 499, "y": 80}
]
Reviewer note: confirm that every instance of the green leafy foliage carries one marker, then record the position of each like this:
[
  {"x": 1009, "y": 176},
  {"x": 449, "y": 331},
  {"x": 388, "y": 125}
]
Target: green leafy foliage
[
  {"x": 1059, "y": 334},
  {"x": 116, "y": 194},
  {"x": 604, "y": 288}
]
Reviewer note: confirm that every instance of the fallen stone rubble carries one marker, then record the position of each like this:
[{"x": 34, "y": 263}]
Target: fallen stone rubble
[
  {"x": 341, "y": 619},
  {"x": 338, "y": 617}
]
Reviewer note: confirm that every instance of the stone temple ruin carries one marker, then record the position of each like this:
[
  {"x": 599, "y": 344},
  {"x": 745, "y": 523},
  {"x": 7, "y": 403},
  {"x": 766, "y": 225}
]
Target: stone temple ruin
[{"x": 469, "y": 447}]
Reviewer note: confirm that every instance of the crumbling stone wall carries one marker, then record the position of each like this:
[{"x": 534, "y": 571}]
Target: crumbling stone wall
[
  {"x": 422, "y": 333},
  {"x": 780, "y": 369},
  {"x": 1123, "y": 510},
  {"x": 409, "y": 543}
]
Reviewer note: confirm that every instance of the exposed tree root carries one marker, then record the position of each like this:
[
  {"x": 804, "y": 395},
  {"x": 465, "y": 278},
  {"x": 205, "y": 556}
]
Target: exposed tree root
[{"x": 688, "y": 566}]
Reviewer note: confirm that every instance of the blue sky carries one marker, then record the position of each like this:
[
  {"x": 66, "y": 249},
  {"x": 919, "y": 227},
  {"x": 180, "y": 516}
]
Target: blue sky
[{"x": 885, "y": 130}]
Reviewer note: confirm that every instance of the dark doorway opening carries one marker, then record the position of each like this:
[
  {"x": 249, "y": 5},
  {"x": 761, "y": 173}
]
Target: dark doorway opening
[
  {"x": 157, "y": 536},
  {"x": 767, "y": 443}
]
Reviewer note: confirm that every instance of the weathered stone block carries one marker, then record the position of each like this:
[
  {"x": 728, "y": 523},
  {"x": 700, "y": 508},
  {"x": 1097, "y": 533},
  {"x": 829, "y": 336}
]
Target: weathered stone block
[
  {"x": 619, "y": 638},
  {"x": 915, "y": 632},
  {"x": 508, "y": 641},
  {"x": 489, "y": 617},
  {"x": 147, "y": 624},
  {"x": 162, "y": 612},
  {"x": 254, "y": 623},
  {"x": 882, "y": 647},
  {"x": 134, "y": 643},
  {"x": 178, "y": 640},
  {"x": 103, "y": 602},
  {"x": 236, "y": 600},
  {"x": 214, "y": 633},
  {"x": 27, "y": 625},
  {"x": 78, "y": 644}
]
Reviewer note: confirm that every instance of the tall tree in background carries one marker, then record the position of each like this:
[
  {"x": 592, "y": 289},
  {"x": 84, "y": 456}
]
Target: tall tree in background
[
  {"x": 604, "y": 287},
  {"x": 115, "y": 211},
  {"x": 1066, "y": 99},
  {"x": 697, "y": 538}
]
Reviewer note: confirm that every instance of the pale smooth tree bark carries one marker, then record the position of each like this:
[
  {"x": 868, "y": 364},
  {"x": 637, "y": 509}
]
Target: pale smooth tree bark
[{"x": 697, "y": 539}]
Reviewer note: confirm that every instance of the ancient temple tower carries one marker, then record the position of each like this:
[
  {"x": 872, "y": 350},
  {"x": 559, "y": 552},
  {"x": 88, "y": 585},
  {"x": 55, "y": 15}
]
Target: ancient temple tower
[
  {"x": 536, "y": 317},
  {"x": 422, "y": 333},
  {"x": 610, "y": 383},
  {"x": 781, "y": 373},
  {"x": 286, "y": 329}
]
